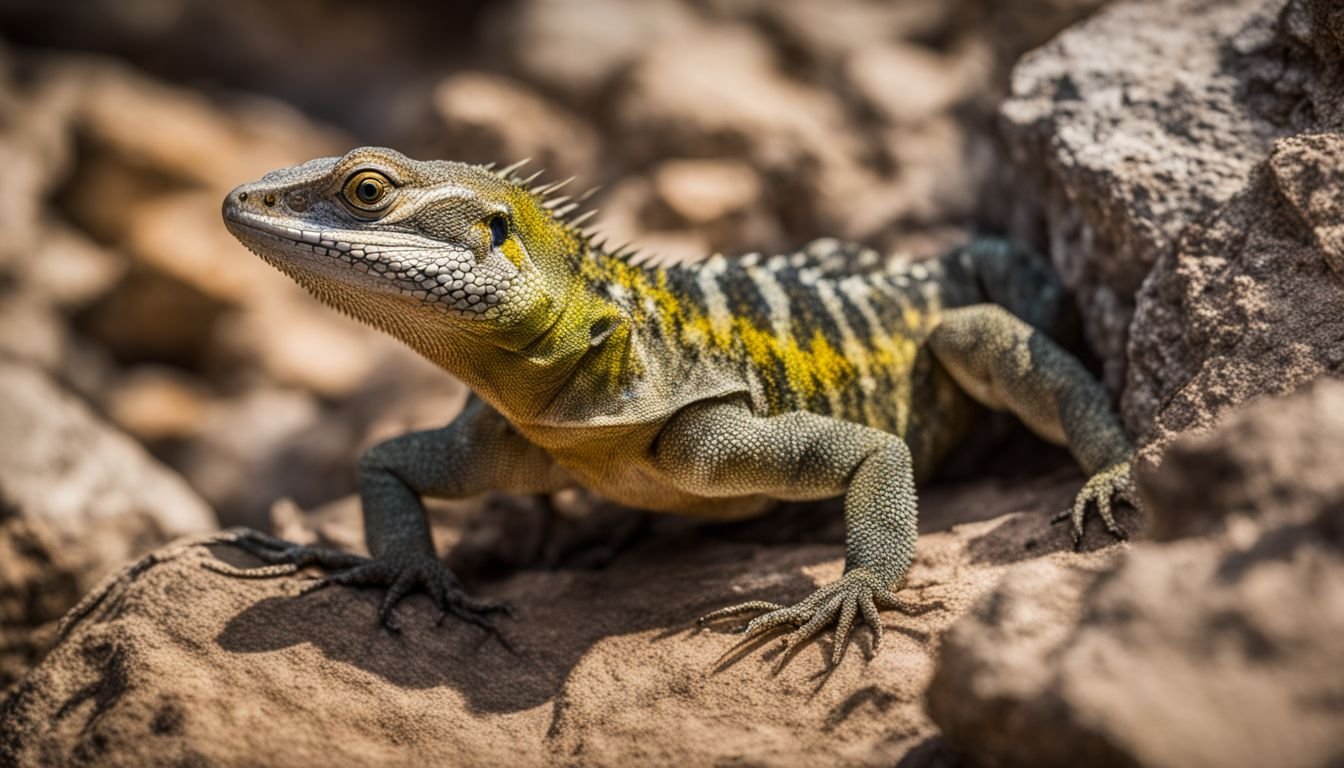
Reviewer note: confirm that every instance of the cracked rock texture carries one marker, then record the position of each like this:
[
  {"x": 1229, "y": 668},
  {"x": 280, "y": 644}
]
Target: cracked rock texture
[{"x": 1145, "y": 120}]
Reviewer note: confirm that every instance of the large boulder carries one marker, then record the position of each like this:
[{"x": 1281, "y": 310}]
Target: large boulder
[
  {"x": 1146, "y": 118},
  {"x": 1207, "y": 651},
  {"x": 1249, "y": 303}
]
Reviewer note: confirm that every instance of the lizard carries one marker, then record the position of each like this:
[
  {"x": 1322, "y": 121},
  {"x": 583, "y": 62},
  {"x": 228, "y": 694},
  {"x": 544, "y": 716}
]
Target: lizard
[{"x": 711, "y": 389}]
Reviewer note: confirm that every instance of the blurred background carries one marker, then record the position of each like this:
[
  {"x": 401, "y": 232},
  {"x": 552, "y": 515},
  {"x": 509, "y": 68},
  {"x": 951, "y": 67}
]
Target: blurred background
[{"x": 711, "y": 125}]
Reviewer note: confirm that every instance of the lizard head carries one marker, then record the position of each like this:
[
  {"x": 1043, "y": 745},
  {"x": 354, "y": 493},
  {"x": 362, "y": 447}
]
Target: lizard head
[{"x": 436, "y": 253}]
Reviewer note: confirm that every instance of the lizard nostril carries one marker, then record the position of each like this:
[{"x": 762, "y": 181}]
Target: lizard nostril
[{"x": 242, "y": 197}]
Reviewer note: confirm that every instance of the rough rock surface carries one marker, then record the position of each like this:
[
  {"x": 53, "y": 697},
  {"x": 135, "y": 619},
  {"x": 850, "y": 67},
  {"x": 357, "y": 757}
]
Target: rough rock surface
[
  {"x": 1214, "y": 651},
  {"x": 1129, "y": 151},
  {"x": 77, "y": 500},
  {"x": 1247, "y": 304},
  {"x": 1284, "y": 449},
  {"x": 180, "y": 664}
]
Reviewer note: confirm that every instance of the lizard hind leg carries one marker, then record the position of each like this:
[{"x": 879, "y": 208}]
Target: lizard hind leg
[{"x": 1007, "y": 364}]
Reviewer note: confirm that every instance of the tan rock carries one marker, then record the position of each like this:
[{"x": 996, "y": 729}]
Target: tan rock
[
  {"x": 1284, "y": 449},
  {"x": 731, "y": 100},
  {"x": 77, "y": 499},
  {"x": 486, "y": 118},
  {"x": 98, "y": 490},
  {"x": 193, "y": 139},
  {"x": 38, "y": 584},
  {"x": 608, "y": 670},
  {"x": 32, "y": 331},
  {"x": 179, "y": 235},
  {"x": 68, "y": 269},
  {"x": 828, "y": 32},
  {"x": 155, "y": 403},
  {"x": 907, "y": 83},
  {"x": 576, "y": 47},
  {"x": 704, "y": 191},
  {"x": 1308, "y": 173},
  {"x": 302, "y": 343}
]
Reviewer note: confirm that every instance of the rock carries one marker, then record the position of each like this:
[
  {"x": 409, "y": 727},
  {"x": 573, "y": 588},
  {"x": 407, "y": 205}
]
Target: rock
[
  {"x": 939, "y": 172},
  {"x": 31, "y": 330},
  {"x": 576, "y": 47},
  {"x": 485, "y": 118},
  {"x": 607, "y": 669},
  {"x": 66, "y": 269},
  {"x": 1246, "y": 305},
  {"x": 318, "y": 60},
  {"x": 1281, "y": 449},
  {"x": 731, "y": 100},
  {"x": 1307, "y": 172},
  {"x": 300, "y": 343},
  {"x": 237, "y": 460},
  {"x": 1212, "y": 651},
  {"x": 908, "y": 83},
  {"x": 96, "y": 489},
  {"x": 192, "y": 141},
  {"x": 703, "y": 191},
  {"x": 129, "y": 320},
  {"x": 1014, "y": 27},
  {"x": 828, "y": 32},
  {"x": 156, "y": 403},
  {"x": 77, "y": 499},
  {"x": 38, "y": 584},
  {"x": 1129, "y": 151}
]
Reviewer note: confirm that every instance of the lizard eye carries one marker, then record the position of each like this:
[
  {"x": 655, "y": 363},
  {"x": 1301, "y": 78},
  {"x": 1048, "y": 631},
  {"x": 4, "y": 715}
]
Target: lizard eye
[
  {"x": 499, "y": 230},
  {"x": 367, "y": 189}
]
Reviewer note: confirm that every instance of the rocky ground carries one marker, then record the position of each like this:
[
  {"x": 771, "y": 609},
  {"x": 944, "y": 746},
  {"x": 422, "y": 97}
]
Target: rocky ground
[{"x": 1181, "y": 161}]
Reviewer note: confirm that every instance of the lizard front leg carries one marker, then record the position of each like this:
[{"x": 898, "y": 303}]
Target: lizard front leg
[
  {"x": 1006, "y": 364},
  {"x": 723, "y": 450},
  {"x": 478, "y": 452}
]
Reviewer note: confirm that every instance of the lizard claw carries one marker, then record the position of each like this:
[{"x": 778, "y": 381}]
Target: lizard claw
[
  {"x": 401, "y": 575},
  {"x": 857, "y": 595},
  {"x": 1104, "y": 488}
]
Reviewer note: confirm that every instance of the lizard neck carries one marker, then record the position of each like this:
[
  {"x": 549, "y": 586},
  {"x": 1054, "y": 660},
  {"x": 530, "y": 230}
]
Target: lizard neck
[{"x": 581, "y": 345}]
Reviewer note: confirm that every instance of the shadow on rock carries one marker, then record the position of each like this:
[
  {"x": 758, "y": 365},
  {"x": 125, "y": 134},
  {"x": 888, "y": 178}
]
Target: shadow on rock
[{"x": 559, "y": 616}]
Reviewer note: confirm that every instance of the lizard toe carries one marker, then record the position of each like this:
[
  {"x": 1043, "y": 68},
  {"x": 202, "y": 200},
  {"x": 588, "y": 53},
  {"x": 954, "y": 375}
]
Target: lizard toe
[
  {"x": 1101, "y": 491},
  {"x": 858, "y": 592}
]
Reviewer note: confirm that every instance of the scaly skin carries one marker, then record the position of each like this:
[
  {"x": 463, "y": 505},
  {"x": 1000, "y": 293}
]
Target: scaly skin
[{"x": 707, "y": 389}]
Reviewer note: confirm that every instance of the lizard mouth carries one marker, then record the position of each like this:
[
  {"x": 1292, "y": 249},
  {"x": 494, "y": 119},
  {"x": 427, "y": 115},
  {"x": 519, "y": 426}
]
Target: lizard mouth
[
  {"x": 319, "y": 243},
  {"x": 311, "y": 258}
]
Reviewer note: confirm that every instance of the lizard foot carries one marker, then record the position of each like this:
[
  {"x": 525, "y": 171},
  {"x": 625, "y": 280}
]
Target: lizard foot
[
  {"x": 401, "y": 575},
  {"x": 858, "y": 592},
  {"x": 1104, "y": 488}
]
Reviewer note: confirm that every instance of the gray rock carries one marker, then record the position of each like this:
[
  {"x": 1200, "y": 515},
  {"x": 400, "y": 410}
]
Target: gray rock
[
  {"x": 1133, "y": 136},
  {"x": 1212, "y": 651},
  {"x": 1281, "y": 449},
  {"x": 1247, "y": 304}
]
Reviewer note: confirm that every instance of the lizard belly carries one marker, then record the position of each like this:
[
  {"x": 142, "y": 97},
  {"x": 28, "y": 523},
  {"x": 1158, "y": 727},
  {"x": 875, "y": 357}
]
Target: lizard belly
[{"x": 615, "y": 462}]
